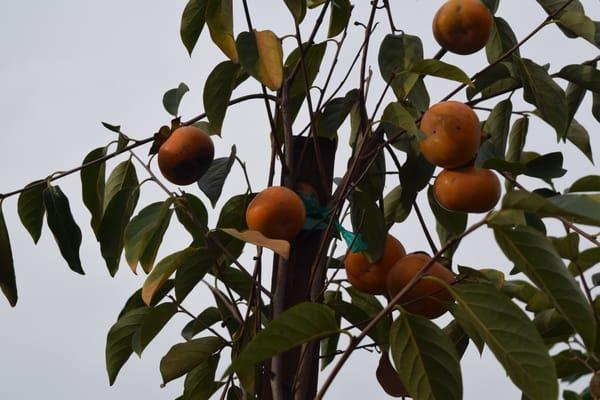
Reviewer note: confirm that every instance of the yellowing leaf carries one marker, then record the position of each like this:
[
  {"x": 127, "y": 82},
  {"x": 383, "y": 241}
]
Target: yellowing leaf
[
  {"x": 281, "y": 247},
  {"x": 260, "y": 54}
]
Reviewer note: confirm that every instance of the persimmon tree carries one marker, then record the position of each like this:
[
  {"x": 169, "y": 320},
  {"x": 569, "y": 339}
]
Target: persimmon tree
[{"x": 276, "y": 325}]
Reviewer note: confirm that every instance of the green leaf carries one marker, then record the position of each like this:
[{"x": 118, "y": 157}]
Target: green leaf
[
  {"x": 192, "y": 214},
  {"x": 31, "y": 209},
  {"x": 498, "y": 125},
  {"x": 489, "y": 78},
  {"x": 211, "y": 183},
  {"x": 590, "y": 183},
  {"x": 511, "y": 336},
  {"x": 397, "y": 54},
  {"x": 398, "y": 116},
  {"x": 586, "y": 260},
  {"x": 112, "y": 228},
  {"x": 135, "y": 300},
  {"x": 92, "y": 186},
  {"x": 329, "y": 345},
  {"x": 203, "y": 321},
  {"x": 583, "y": 75},
  {"x": 118, "y": 341},
  {"x": 368, "y": 220},
  {"x": 370, "y": 306},
  {"x": 576, "y": 23},
  {"x": 297, "y": 8},
  {"x": 575, "y": 95},
  {"x": 191, "y": 271},
  {"x": 546, "y": 166},
  {"x": 579, "y": 208},
  {"x": 172, "y": 98},
  {"x": 261, "y": 55},
  {"x": 596, "y": 106},
  {"x": 567, "y": 246},
  {"x": 219, "y": 18},
  {"x": 425, "y": 358},
  {"x": 299, "y": 324},
  {"x": 140, "y": 232},
  {"x": 502, "y": 39},
  {"x": 518, "y": 135},
  {"x": 183, "y": 357},
  {"x": 64, "y": 228},
  {"x": 233, "y": 215},
  {"x": 440, "y": 69},
  {"x": 122, "y": 177},
  {"x": 192, "y": 23},
  {"x": 163, "y": 271},
  {"x": 572, "y": 365},
  {"x": 541, "y": 91},
  {"x": 217, "y": 92},
  {"x": 153, "y": 323},
  {"x": 8, "y": 283},
  {"x": 579, "y": 136},
  {"x": 341, "y": 10},
  {"x": 492, "y": 5},
  {"x": 533, "y": 254},
  {"x": 334, "y": 114},
  {"x": 448, "y": 223},
  {"x": 200, "y": 381}
]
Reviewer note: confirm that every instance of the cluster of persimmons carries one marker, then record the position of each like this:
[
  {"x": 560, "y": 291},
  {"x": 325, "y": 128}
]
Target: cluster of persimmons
[{"x": 452, "y": 140}]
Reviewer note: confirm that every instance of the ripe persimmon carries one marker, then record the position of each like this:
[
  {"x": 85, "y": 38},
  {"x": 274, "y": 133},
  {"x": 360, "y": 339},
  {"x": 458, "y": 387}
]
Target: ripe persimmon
[
  {"x": 277, "y": 212},
  {"x": 462, "y": 26},
  {"x": 186, "y": 155},
  {"x": 427, "y": 297},
  {"x": 453, "y": 134},
  {"x": 467, "y": 189},
  {"x": 371, "y": 277}
]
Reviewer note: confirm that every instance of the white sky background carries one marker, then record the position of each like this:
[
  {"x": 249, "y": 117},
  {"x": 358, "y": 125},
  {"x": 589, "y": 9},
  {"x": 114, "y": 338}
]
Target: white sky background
[{"x": 67, "y": 65}]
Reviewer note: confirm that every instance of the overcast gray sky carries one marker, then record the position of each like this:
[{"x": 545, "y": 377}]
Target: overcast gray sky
[{"x": 66, "y": 65}]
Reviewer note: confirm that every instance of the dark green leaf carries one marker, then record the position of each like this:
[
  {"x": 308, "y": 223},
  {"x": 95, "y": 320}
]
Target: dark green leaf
[
  {"x": 579, "y": 136},
  {"x": 596, "y": 106},
  {"x": 172, "y": 98},
  {"x": 498, "y": 125},
  {"x": 153, "y": 323},
  {"x": 184, "y": 357},
  {"x": 583, "y": 75},
  {"x": 533, "y": 254},
  {"x": 567, "y": 246},
  {"x": 334, "y": 114},
  {"x": 135, "y": 300},
  {"x": 340, "y": 17},
  {"x": 492, "y": 5},
  {"x": 163, "y": 271},
  {"x": 8, "y": 283},
  {"x": 219, "y": 18},
  {"x": 518, "y": 135},
  {"x": 398, "y": 116},
  {"x": 590, "y": 183},
  {"x": 31, "y": 209},
  {"x": 261, "y": 56},
  {"x": 112, "y": 228},
  {"x": 547, "y": 166},
  {"x": 425, "y": 358},
  {"x": 149, "y": 224},
  {"x": 200, "y": 382},
  {"x": 192, "y": 214},
  {"x": 297, "y": 8},
  {"x": 586, "y": 260},
  {"x": 92, "y": 186},
  {"x": 575, "y": 95},
  {"x": 541, "y": 91},
  {"x": 211, "y": 183},
  {"x": 300, "y": 324},
  {"x": 191, "y": 271},
  {"x": 440, "y": 69},
  {"x": 203, "y": 321},
  {"x": 64, "y": 228},
  {"x": 118, "y": 341},
  {"x": 502, "y": 39},
  {"x": 488, "y": 78},
  {"x": 217, "y": 92},
  {"x": 122, "y": 177},
  {"x": 448, "y": 223},
  {"x": 511, "y": 336},
  {"x": 398, "y": 53},
  {"x": 192, "y": 23},
  {"x": 367, "y": 219}
]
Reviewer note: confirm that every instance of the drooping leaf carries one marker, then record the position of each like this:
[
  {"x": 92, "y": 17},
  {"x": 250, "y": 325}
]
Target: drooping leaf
[
  {"x": 192, "y": 214},
  {"x": 64, "y": 228},
  {"x": 191, "y": 271},
  {"x": 141, "y": 230},
  {"x": 511, "y": 336},
  {"x": 211, "y": 183},
  {"x": 534, "y": 255},
  {"x": 172, "y": 98},
  {"x": 122, "y": 177},
  {"x": 217, "y": 92},
  {"x": 8, "y": 282},
  {"x": 233, "y": 215},
  {"x": 200, "y": 382},
  {"x": 261, "y": 55},
  {"x": 219, "y": 18},
  {"x": 112, "y": 228},
  {"x": 92, "y": 186},
  {"x": 498, "y": 125},
  {"x": 448, "y": 223},
  {"x": 502, "y": 39},
  {"x": 340, "y": 17},
  {"x": 541, "y": 91},
  {"x": 583, "y": 75},
  {"x": 297, "y": 8},
  {"x": 192, "y": 23},
  {"x": 118, "y": 341},
  {"x": 425, "y": 358},
  {"x": 334, "y": 114},
  {"x": 299, "y": 324},
  {"x": 154, "y": 321},
  {"x": 31, "y": 209},
  {"x": 184, "y": 357},
  {"x": 163, "y": 271},
  {"x": 518, "y": 135},
  {"x": 368, "y": 219},
  {"x": 580, "y": 137}
]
